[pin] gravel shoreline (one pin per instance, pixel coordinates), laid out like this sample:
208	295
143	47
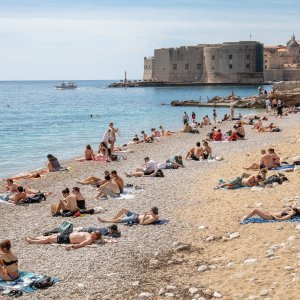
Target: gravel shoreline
109	271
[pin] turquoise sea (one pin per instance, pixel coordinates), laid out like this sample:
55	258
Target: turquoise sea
37	119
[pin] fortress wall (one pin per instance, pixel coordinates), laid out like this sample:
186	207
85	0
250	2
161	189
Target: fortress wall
291	74
148	68
186	64
161	64
273	74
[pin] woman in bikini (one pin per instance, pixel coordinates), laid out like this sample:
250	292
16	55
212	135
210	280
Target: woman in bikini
287	214
8	262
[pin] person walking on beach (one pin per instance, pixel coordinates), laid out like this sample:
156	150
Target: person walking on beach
113	137
185	118
215	115
231	109
268	105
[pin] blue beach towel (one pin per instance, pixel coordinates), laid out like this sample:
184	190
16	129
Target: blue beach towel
22	283
283	167
260	220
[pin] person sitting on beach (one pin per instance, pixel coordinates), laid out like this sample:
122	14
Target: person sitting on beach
80	200
75	240
258	125
18	197
89	153
240	130
109	231
155	133
233	134
287	214
127	216
217	135
11	186
8	262
53	164
187	128
118	180
165	132
104	150
266	161
195	153
146	139
67	206
226	118
206	120
94	180
135	140
275	158
109	188
242	182
207	151
177	159
149	168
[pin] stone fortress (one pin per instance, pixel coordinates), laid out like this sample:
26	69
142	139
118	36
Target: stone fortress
244	62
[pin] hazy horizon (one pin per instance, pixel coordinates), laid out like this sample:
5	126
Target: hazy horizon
90	40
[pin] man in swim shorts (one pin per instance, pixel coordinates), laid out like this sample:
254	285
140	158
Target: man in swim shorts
127	216
76	239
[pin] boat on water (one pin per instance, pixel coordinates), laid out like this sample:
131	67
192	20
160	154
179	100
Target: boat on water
66	86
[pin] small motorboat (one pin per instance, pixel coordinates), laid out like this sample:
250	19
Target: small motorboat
66	86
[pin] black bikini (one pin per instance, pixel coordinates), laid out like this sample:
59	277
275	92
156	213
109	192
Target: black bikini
9	263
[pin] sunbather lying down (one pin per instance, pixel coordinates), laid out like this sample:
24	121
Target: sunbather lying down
75	239
287	214
127	216
242	182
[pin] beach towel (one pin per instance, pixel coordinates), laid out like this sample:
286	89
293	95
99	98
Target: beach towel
283	167
260	220
23	283
158	222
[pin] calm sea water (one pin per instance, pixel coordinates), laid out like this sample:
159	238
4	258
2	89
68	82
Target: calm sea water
36	119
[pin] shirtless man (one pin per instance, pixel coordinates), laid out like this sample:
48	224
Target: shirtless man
110	187
207	151
11	186
76	239
195	153
66	205
89	153
146	139
18	197
266	161
118	180
240	182
125	216
240	130
187	128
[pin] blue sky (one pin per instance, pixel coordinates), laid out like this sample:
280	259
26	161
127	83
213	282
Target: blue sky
99	39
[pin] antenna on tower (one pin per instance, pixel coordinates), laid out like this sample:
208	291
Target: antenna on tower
250	37
125	78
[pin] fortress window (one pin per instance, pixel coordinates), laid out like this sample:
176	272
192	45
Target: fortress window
230	66
212	68
198	66
248	66
213	57
265	67
187	66
174	66
266	61
248	56
230	56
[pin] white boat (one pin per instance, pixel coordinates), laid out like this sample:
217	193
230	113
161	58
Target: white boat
66	86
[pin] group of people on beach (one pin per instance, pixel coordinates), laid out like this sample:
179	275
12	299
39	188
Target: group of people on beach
112	185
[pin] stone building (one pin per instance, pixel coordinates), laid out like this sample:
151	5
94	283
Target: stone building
232	62
282	62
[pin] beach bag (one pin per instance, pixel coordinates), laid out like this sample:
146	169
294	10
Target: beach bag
66	227
43	283
276	130
159	173
37	198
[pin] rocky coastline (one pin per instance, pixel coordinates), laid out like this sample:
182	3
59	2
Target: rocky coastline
288	92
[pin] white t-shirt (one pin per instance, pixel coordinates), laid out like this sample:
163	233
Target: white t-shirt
162	166
151	166
106	137
267	102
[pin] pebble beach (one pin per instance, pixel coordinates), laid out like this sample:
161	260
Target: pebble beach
219	257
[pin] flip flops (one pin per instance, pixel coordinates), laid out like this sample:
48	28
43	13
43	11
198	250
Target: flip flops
15	293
